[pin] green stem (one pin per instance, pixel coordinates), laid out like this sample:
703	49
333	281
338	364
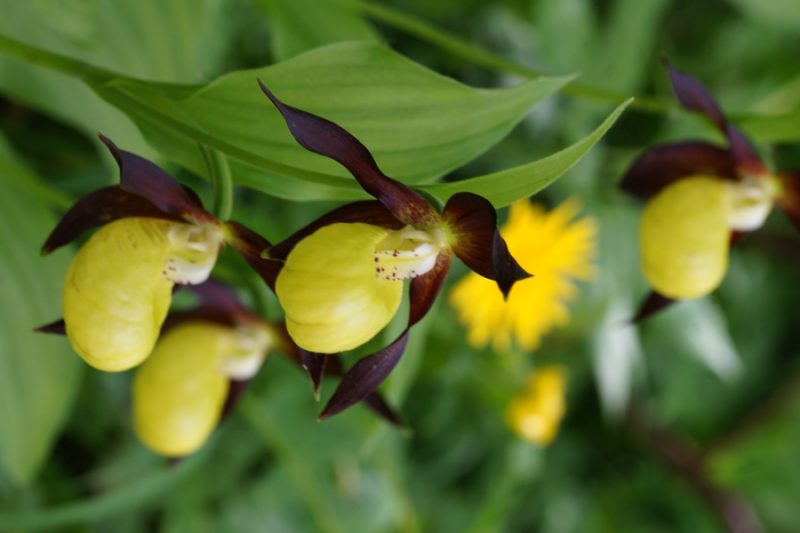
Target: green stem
480	56
260	420
219	172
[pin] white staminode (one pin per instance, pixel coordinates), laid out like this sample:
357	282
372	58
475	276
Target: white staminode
750	203
408	253
194	250
250	347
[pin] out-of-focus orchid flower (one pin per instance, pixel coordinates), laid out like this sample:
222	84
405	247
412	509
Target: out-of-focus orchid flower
153	234
343	274
700	199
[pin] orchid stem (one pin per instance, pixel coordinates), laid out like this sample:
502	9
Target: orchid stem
219	172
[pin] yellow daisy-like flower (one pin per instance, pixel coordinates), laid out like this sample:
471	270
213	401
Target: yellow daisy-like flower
536	414
556	249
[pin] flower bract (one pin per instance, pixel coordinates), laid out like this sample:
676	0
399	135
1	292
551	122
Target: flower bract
554	246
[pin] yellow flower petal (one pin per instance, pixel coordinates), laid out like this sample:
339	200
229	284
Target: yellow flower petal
333	299
551	246
179	392
684	237
115	294
536	414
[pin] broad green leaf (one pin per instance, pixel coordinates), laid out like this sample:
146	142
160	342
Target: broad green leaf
302	25
776	128
506	186
418	124
165	40
783	14
39	374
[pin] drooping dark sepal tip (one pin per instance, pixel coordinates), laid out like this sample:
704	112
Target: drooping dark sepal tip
325	137
380	407
694	96
651	305
57	327
365	377
148	180
506	269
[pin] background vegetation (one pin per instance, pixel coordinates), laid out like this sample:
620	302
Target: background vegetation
671	426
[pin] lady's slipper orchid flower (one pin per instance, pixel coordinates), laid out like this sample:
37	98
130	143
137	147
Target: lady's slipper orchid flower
201	363
342	275
700	199
153	234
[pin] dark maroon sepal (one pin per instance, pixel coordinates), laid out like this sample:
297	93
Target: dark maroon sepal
324	137
654	303
142	177
473	221
252	246
56	328
216	295
424	289
368	211
380	407
789	199
365	377
98	208
662	165
693	95
315	365
748	162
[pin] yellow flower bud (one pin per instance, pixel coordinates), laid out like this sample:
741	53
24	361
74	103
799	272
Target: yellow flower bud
179	392
684	237
333	299
116	295
119	286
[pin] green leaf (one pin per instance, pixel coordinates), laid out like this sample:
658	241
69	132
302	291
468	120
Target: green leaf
302	25
39	374
776	128
507	186
165	40
418	124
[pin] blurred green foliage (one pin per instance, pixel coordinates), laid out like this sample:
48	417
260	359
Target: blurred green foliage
719	375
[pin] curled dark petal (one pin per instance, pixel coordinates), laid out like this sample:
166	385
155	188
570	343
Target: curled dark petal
380	407
251	246
365	376
789	199
367	211
98	208
662	165
315	365
201	314
142	177
423	289
216	295
747	159
324	137
56	328
654	303
693	95
479	244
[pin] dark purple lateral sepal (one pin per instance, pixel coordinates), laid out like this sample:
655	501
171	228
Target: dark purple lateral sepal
748	162
662	165
379	406
324	137
424	289
479	244
98	208
142	177
789	199
368	212
251	246
651	305
693	95
365	377
216	295
56	327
